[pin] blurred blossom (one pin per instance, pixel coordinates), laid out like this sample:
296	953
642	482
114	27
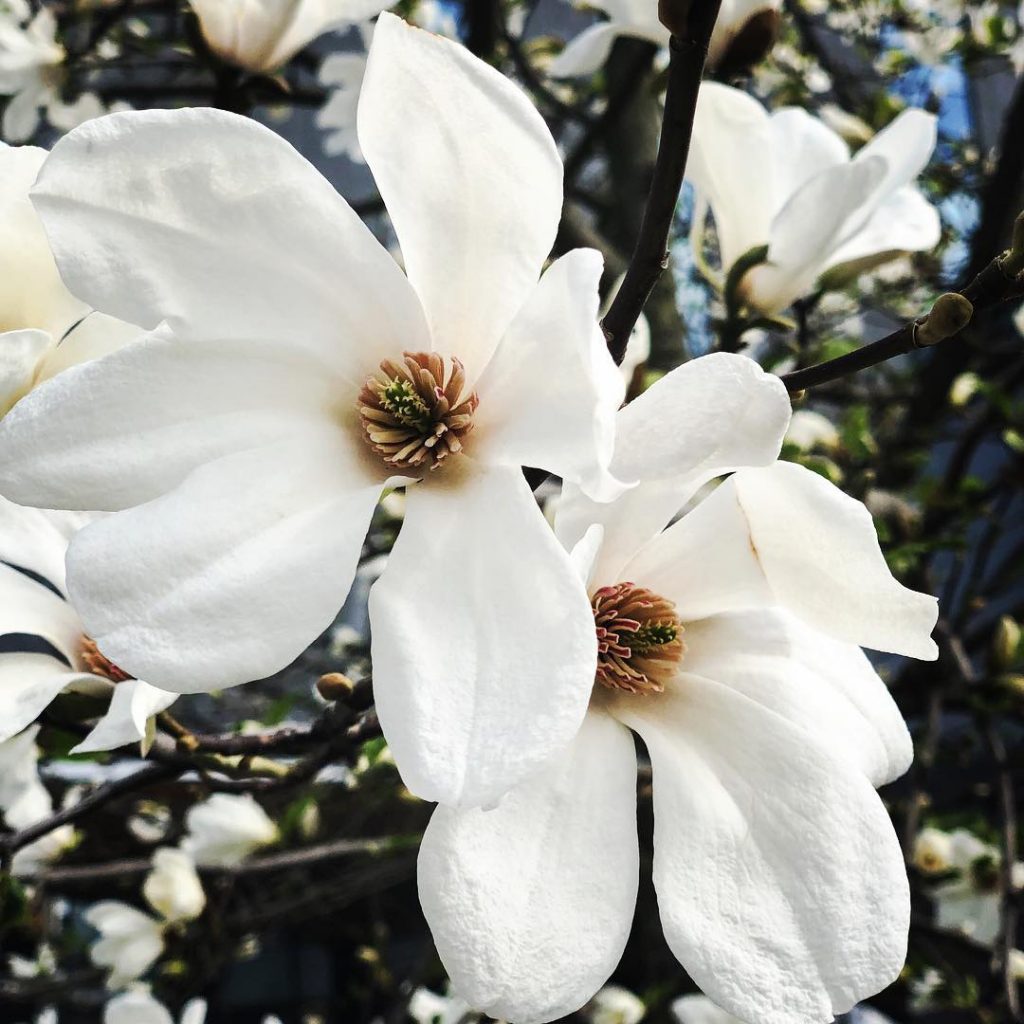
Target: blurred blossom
700	1010
342	74
787	182
173	888
852	129
615	1005
24	799
30	66
809	430
933	851
734	651
130	941
246	446
137	1006
263	35
426	1007
225	829
438	16
150	822
964	388
638	19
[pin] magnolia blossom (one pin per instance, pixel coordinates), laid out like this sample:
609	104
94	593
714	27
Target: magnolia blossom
247	438
263	35
137	1006
225	829
43	327
342	74
615	1005
787	181
809	430
130	941
173	888
638	19
426	1007
698	1009
35	603
731	643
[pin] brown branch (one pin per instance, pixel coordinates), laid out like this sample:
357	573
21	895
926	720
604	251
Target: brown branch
688	52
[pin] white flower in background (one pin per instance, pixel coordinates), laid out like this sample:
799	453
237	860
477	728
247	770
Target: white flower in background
137	1006
37	605
638	19
426	1007
809	430
30	66
698	1009
933	851
130	941
731	643
249	436
615	1005
36	310
173	888
225	829
342	74
437	16
263	35
786	181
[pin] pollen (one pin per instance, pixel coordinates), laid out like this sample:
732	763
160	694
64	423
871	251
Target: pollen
99	664
415	415
639	639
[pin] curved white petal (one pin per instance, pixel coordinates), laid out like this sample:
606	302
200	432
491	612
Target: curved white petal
906	145
28	682
531	903
131	705
37	539
827	688
802	147
586	53
781	883
96	335
234	573
784	535
483	646
32	295
731	166
827	211
212	222
129	427
549	396
471	178
705	418
24	799
194	1012
21	355
130	941
26	606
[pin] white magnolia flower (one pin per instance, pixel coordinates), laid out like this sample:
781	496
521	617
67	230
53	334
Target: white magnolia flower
615	1005
263	35
173	888
426	1007
248	437
933	851
35	603
24	799
697	1009
731	643
36	310
130	941
809	430
225	829
342	74
137	1006
30	66
786	181
638	19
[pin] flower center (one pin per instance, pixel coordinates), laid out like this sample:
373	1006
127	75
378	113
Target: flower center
639	639
412	417
99	664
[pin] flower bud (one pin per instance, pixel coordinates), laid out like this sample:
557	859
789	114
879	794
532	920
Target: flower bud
335	686
951	313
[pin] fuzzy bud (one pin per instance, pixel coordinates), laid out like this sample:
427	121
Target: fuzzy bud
951	313
335	686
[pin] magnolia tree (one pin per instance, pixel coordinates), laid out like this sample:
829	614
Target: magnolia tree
604	425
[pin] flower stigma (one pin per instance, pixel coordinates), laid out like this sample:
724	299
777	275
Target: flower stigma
639	639
99	664
412	416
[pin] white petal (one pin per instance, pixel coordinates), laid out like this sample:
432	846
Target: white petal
130	941
27	606
232	575
37	540
97	335
784	535
549	396
483	648
24	799
130	427
829	689
471	177
906	145
136	1007
132	704
212	222
21	115
802	147
28	682
531	903
194	1012
780	881
586	53
731	167
705	418
21	354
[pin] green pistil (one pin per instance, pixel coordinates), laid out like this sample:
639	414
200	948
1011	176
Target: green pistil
652	634
400	399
